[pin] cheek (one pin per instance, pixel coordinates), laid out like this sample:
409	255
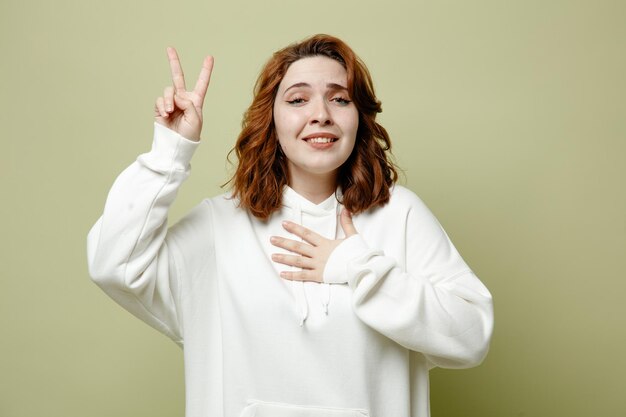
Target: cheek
278	120
286	123
354	128
351	123
285	130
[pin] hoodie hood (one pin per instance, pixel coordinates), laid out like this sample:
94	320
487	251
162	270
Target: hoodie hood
322	218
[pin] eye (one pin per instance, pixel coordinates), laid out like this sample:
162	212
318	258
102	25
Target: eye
297	100
341	100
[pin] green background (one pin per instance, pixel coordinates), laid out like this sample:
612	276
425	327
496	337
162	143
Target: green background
508	118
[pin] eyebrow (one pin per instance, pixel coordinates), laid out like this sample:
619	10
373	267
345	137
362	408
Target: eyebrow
331	86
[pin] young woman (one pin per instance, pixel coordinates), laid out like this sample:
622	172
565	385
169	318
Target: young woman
316	287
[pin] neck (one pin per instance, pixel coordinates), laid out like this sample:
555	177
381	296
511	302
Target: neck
315	188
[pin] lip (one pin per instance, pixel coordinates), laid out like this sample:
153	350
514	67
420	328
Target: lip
321	135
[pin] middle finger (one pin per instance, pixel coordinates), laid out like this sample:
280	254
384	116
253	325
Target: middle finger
292	245
178	78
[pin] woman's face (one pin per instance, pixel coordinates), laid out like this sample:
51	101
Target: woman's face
316	122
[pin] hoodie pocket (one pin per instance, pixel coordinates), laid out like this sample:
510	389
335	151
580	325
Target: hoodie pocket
271	409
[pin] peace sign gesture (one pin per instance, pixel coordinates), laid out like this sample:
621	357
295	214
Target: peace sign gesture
181	110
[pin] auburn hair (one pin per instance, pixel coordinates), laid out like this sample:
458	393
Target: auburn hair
261	174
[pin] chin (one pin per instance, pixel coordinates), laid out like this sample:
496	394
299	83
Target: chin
323	169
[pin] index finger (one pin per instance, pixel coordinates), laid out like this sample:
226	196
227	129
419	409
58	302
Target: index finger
203	79
302	232
178	78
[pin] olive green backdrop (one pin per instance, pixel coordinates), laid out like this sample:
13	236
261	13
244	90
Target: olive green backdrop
508	118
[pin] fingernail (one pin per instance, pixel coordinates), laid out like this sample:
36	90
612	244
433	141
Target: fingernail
169	108
273	239
285	223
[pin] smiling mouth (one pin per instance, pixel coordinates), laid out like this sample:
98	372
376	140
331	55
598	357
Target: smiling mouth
321	140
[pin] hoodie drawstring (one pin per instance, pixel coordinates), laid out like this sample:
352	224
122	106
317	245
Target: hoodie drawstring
333	235
298	287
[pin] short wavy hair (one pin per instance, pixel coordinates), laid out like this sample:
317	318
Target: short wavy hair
367	175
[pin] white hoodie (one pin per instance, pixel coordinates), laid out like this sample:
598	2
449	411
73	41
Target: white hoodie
397	298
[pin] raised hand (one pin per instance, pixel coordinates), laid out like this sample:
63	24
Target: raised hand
179	109
313	253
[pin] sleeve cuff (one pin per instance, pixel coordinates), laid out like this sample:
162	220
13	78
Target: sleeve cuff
170	151
336	270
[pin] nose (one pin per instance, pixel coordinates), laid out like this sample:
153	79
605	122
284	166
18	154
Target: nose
320	113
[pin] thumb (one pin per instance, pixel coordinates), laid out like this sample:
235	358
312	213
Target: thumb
191	122
346	223
185	105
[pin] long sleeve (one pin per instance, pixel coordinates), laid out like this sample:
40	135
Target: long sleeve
131	255
436	305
